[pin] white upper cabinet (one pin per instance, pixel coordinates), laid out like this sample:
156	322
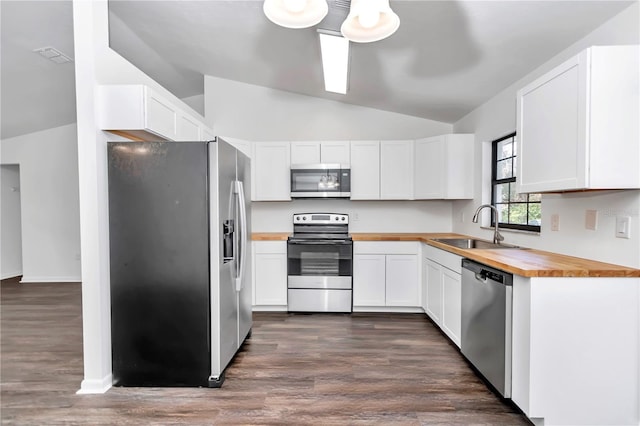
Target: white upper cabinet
320	152
335	152
188	128
396	170
305	152
577	125
271	171
138	112
444	167
365	170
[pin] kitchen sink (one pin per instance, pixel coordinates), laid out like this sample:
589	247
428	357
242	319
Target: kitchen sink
472	243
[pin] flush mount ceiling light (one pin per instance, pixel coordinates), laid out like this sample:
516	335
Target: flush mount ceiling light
369	20
335	61
295	13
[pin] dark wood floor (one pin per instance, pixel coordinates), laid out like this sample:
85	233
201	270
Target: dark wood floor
295	369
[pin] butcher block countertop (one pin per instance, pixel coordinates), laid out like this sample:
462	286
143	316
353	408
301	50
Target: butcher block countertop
270	236
525	262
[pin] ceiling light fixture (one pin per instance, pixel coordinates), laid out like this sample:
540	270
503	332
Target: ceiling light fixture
295	13
369	20
53	54
335	61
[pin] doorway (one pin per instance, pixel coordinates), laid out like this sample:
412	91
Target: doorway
11	223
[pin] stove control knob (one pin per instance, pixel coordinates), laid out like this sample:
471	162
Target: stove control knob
344	218
304	218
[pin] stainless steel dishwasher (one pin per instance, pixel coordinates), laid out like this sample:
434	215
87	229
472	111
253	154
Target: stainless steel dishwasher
486	322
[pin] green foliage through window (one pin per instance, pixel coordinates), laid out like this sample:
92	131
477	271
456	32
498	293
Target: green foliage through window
515	211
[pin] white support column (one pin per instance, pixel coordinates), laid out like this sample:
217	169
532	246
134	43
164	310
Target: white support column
91	38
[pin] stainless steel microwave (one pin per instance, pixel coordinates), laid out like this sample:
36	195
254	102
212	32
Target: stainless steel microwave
320	181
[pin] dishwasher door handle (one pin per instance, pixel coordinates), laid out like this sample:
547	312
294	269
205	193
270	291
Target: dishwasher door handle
480	276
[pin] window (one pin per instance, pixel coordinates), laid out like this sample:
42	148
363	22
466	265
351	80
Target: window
515	211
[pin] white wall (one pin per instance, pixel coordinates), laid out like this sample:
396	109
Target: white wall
11	232
49	199
364	216
497	117
196	102
258	113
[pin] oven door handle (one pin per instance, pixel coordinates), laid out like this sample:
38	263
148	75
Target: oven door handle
319	242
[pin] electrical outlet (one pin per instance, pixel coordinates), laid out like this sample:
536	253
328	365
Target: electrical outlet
623	226
555	222
355	216
591	219
462	216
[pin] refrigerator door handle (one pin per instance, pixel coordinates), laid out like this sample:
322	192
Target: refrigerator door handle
242	231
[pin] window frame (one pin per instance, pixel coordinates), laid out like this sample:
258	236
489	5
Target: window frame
510	180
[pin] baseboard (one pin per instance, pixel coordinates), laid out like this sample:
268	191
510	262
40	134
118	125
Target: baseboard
10	275
94	386
268	308
388	309
33	279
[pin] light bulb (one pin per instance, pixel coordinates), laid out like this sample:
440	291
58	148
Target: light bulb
294	6
369	18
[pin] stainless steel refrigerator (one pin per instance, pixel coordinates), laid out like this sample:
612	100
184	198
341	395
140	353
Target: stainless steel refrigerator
179	235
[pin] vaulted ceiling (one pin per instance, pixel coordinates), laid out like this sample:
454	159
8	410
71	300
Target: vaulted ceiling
447	57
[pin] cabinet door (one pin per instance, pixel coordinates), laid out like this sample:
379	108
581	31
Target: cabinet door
207	135
160	115
270	273
188	129
451	304
396	170
433	277
271	167
365	170
429	168
551	130
369	280
335	152
402	288
305	153
270	279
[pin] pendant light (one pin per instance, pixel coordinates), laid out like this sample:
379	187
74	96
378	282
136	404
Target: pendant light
369	20
295	13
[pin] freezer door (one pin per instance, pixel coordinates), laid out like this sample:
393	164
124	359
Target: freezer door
159	263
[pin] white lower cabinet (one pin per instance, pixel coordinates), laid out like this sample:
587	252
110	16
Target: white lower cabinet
432	277
402	286
270	275
442	285
386	275
452	304
369	281
576	350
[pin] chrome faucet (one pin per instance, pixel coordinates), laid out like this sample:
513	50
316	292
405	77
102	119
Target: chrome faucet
496	234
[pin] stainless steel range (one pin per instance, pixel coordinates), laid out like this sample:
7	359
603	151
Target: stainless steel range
320	263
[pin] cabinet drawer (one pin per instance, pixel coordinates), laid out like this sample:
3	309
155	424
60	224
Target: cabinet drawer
448	260
385	247
269	247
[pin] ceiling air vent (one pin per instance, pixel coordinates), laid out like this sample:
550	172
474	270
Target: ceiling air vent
338	11
53	54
